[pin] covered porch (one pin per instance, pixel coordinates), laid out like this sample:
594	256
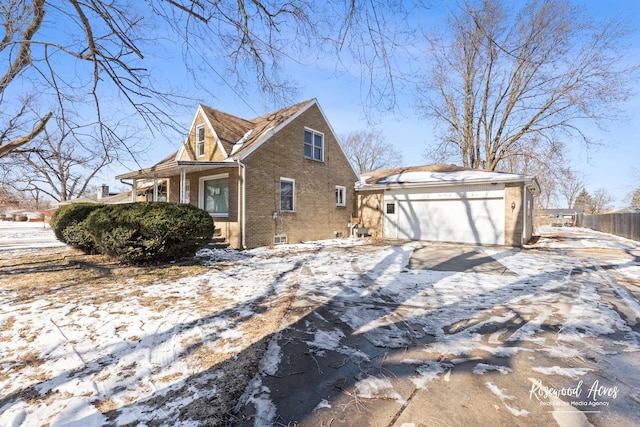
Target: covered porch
170	172
217	187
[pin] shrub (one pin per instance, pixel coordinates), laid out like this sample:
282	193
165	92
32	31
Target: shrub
150	231
22	218
78	236
67	222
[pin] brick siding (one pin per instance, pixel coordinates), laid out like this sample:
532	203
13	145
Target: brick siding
316	215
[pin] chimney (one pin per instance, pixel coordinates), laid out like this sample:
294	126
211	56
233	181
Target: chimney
103	191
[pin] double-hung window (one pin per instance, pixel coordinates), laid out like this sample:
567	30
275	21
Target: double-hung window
200	141
313	145
287	195
341	196
214	194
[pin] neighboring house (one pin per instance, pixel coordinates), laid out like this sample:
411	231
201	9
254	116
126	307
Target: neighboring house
103	195
447	203
281	177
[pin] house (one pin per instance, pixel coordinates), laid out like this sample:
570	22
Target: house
447	203
281	177
103	196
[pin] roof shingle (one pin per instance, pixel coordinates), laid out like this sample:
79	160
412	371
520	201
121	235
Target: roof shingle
231	129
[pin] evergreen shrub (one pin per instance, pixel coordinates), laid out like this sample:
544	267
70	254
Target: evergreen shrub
67	222
146	232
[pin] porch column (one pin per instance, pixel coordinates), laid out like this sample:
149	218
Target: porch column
134	190
183	186
155	187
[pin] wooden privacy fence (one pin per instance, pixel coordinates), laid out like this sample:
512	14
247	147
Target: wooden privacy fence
621	224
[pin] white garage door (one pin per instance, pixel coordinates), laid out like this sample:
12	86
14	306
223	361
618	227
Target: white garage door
455	219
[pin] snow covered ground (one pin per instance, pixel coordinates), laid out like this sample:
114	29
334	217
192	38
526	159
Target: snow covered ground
156	354
25	235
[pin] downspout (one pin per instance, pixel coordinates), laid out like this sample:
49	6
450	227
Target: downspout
244	203
134	190
524	214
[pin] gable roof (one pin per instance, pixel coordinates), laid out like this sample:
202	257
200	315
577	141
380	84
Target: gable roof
438	174
238	137
229	128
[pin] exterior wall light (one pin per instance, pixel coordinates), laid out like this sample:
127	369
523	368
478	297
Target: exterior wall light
513	206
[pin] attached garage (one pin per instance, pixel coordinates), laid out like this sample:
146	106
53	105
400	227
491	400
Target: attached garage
448	203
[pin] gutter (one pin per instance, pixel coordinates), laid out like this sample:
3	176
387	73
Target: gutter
166	170
527	181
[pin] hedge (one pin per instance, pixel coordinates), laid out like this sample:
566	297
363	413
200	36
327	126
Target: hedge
67	223
146	232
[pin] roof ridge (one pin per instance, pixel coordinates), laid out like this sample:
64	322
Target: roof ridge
293	108
206	107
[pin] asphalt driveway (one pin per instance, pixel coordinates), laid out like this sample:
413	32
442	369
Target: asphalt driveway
427	334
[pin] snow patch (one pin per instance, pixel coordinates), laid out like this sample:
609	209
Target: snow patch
565	372
377	388
482	368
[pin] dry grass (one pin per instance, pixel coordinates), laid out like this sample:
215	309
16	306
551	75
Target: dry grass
64	276
105	405
60	273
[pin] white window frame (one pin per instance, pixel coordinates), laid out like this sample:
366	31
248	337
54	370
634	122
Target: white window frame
314	133
393	207
201	193
341	195
200	143
293	196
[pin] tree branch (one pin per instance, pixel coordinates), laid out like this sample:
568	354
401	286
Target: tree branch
18	142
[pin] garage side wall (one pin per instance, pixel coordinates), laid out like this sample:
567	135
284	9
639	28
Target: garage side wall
513	217
529	229
369	210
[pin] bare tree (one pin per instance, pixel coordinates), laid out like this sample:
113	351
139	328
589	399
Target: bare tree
12	199
542	159
61	163
8	198
570	185
601	201
633	199
505	77
369	150
92	56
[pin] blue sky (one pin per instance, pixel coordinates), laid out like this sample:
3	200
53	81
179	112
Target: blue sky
613	166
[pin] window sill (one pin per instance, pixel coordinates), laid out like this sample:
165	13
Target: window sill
314	160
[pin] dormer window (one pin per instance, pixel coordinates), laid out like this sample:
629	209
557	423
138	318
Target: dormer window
313	145
200	141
